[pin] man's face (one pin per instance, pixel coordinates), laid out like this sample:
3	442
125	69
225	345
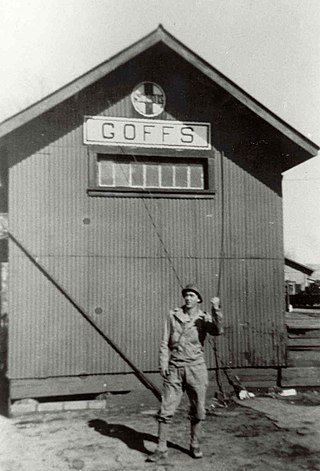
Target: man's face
191	299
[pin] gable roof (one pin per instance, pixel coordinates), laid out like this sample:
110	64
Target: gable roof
160	35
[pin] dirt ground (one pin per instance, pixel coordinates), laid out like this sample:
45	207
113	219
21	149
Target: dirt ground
263	433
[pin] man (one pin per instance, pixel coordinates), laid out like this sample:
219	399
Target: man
183	367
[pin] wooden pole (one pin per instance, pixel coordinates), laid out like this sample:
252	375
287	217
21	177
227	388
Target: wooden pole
139	374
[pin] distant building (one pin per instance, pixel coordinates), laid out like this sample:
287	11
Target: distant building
297	276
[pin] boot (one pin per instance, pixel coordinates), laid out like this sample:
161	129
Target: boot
196	429
162	448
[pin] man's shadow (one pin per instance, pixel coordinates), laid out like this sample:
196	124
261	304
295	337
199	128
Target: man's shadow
131	437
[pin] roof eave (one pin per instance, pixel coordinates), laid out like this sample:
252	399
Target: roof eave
298	266
157	36
85	80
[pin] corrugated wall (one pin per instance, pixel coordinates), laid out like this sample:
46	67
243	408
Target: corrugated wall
123	259
252	268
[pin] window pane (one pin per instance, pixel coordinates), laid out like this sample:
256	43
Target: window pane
122	174
137	174
105	173
181	176
167	176
152	175
196	176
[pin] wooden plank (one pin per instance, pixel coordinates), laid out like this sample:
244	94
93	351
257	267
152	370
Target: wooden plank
298	314
307	310
303	358
303	323
299	342
97	384
303	320
256	373
251	377
75	386
309	376
300	333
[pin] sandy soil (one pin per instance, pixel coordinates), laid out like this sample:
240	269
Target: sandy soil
265	434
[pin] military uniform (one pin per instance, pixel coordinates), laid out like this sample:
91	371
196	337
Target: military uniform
181	351
183	367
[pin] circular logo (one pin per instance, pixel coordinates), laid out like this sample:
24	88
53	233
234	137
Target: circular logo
148	99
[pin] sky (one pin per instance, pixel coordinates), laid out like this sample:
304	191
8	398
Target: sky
270	48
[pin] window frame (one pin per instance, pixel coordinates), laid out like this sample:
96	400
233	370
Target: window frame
205	157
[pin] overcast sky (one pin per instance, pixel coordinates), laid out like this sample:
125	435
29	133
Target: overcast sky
270	48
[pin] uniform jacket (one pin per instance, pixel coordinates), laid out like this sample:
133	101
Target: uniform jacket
183	337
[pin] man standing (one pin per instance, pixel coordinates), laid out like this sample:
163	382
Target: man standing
183	367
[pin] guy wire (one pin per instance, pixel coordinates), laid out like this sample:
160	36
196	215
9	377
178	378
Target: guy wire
152	220
235	381
150	215
220	269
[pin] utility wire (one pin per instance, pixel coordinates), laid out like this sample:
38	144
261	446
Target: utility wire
151	219
220	270
157	232
301	180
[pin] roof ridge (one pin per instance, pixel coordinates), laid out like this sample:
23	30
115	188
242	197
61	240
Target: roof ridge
160	34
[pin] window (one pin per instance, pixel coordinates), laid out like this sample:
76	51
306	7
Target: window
149	175
298	288
115	172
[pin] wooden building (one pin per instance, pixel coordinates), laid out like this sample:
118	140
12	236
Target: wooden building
297	276
150	171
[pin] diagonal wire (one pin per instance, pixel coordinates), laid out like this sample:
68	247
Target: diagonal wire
157	232
154	225
218	360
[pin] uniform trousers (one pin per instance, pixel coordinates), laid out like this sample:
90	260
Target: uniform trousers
190	378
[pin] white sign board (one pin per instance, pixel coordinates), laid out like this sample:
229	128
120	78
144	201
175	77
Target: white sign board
101	130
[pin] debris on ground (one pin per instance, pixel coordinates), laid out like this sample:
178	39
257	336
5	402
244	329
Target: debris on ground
261	434
288	392
244	394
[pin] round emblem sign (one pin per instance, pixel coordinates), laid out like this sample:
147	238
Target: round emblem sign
148	99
